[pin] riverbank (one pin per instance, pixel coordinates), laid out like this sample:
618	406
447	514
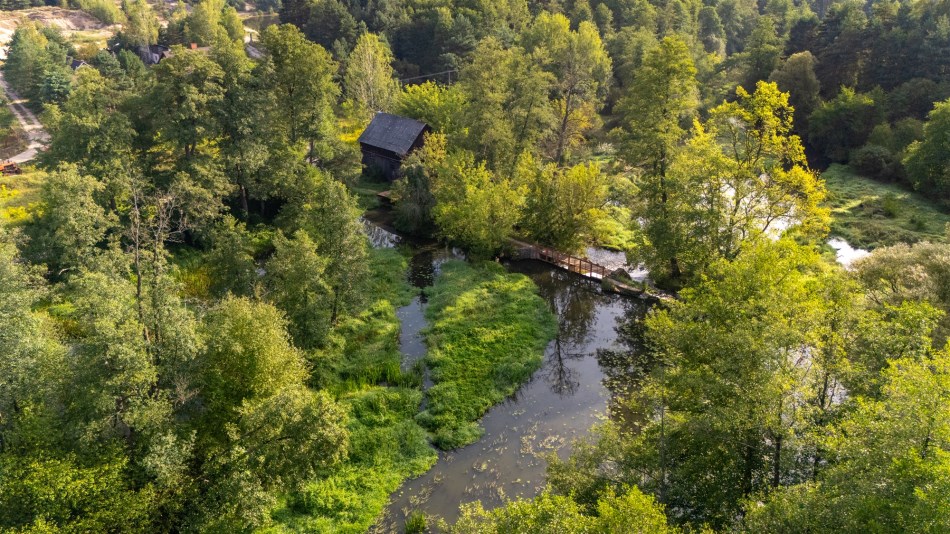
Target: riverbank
870	214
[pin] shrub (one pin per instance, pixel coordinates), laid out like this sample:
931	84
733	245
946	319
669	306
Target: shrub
877	162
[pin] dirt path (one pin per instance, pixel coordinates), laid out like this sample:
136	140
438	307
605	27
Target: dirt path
28	121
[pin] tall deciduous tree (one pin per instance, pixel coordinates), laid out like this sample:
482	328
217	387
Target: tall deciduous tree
661	99
369	79
508	110
564	207
797	78
581	68
741	365
261	427
296	281
72	222
325	210
767	185
141	26
474	206
890	466
927	160
300	74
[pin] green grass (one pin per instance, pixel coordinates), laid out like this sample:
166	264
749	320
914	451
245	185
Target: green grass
387	278
870	214
488	333
365	189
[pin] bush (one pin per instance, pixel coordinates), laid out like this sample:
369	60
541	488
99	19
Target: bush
877	162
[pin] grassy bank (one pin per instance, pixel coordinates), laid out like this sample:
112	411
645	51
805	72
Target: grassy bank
387	445
870	214
487	335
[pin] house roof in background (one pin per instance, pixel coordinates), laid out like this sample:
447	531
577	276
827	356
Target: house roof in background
393	133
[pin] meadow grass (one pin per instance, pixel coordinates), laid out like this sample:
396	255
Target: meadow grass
488	330
870	214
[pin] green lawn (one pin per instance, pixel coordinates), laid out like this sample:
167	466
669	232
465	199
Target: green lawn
870	214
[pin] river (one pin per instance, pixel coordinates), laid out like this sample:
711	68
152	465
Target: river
584	369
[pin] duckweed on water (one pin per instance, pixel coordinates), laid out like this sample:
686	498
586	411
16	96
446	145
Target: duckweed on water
487	336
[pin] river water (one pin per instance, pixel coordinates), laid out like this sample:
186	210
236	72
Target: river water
585	367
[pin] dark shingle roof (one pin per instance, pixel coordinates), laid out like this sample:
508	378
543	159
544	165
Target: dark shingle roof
393	133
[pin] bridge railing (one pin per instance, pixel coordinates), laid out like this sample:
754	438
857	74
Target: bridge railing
565	261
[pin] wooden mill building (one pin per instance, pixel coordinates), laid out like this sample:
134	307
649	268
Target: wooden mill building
387	141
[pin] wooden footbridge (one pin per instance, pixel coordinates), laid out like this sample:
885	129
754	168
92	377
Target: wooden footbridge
581	266
523	250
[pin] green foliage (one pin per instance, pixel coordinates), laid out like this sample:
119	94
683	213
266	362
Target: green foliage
875	161
890	470
141	24
475	207
231	259
37	59
902	274
843	124
488	333
386	444
416	523
797	78
631	512
368	78
441	107
413	194
738	179
297	284
324	209
580	67
926	160
661	99
300	76
507	109
565	209
63	495
70	223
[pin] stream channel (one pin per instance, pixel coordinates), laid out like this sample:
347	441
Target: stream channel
591	362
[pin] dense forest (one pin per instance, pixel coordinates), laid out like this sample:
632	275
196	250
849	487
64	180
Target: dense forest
196	335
